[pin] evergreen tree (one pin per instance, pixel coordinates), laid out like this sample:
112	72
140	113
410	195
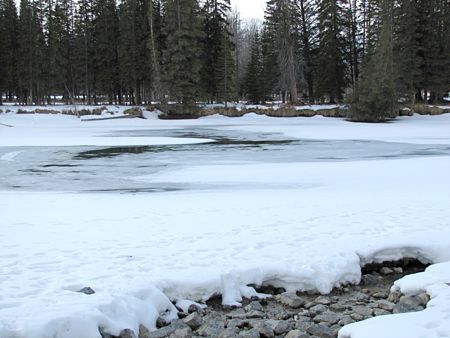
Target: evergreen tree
31	53
218	50
84	50
106	59
60	50
183	28
407	49
8	51
253	84
281	22
373	99
134	55
155	45
331	72
308	33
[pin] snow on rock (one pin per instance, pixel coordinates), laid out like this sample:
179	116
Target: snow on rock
432	322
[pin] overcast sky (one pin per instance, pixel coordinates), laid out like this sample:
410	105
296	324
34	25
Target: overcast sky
250	8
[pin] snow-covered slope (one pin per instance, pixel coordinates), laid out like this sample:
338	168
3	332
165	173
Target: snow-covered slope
311	227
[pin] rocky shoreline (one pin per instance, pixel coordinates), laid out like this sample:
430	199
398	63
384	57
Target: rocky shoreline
295	315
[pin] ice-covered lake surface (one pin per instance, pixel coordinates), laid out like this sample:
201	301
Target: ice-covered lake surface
144	211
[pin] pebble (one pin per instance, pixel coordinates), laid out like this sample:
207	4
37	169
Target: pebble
288	314
296	334
291	299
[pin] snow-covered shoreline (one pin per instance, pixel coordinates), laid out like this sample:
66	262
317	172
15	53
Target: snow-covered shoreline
139	251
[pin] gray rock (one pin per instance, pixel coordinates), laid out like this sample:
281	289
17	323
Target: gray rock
385	305
143	331
309	305
229	333
380	295
252	333
369	279
213	327
322	300
178	324
364	311
254	306
194	321
303	326
339	307
182	333
327	317
318	309
127	333
380	312
356	316
360	297
346	320
296	334
386	271
321	331
413	301
238	313
160	333
264	329
236	323
195	308
279	326
394	297
161	322
425	298
87	290
398	270
404	308
254	314
291	299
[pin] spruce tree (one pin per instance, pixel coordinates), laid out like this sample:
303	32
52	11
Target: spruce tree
254	73
106	59
308	33
183	28
281	20
84	50
8	51
331	71
373	99
218	50
407	50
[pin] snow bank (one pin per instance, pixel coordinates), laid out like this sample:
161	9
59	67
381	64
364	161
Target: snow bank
434	321
311	226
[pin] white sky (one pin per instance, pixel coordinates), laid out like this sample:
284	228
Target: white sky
250	8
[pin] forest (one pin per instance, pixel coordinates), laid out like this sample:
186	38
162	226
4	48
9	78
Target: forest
188	51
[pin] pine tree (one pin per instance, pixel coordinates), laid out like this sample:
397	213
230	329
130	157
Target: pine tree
281	20
373	99
183	28
8	51
218	49
106	59
31	53
253	84
134	55
308	33
406	49
331	72
84	50
60	50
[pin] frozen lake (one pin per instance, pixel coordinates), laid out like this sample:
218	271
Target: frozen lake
114	168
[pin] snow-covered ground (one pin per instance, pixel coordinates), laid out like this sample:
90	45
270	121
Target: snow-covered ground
298	224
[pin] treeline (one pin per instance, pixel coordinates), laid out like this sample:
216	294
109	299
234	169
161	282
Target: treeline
140	51
98	51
